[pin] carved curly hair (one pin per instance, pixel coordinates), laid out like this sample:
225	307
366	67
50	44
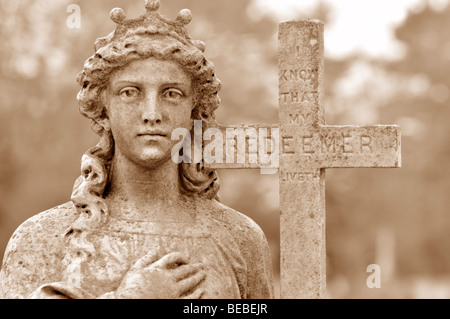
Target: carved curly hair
90	188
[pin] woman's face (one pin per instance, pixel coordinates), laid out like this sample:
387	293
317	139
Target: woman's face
145	101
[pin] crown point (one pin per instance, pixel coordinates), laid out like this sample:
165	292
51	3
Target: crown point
199	45
117	15
99	43
152	5
184	16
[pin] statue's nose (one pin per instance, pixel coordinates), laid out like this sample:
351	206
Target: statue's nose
152	113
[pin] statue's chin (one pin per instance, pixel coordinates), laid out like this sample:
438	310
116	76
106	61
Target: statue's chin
152	160
149	154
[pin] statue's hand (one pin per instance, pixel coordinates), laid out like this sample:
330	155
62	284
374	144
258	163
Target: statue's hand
170	277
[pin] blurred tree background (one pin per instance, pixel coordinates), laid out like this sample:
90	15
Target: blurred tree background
395	218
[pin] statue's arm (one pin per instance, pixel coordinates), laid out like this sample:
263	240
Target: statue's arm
32	264
259	265
34	253
253	250
30	270
29	261
66	290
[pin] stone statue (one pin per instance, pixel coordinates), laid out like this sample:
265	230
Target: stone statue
140	225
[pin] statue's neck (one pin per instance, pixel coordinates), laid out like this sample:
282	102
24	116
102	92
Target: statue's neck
146	193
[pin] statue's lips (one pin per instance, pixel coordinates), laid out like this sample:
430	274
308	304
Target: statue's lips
152	136
156	133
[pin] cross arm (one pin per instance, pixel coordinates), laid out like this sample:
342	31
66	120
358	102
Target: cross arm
334	146
330	146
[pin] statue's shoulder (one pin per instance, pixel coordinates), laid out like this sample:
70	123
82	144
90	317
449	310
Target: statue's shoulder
253	249
239	225
43	228
35	251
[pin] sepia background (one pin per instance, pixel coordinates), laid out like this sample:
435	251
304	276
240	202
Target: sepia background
387	62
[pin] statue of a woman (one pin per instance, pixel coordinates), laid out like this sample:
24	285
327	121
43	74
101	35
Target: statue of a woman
139	225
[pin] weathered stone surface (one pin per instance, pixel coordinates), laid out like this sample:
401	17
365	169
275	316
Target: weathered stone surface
303	147
139	224
138	220
308	146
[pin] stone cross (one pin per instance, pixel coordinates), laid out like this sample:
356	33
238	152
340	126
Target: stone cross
306	146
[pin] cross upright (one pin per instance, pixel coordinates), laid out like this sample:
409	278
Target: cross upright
307	146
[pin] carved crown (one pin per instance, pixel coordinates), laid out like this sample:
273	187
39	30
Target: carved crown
151	34
151	23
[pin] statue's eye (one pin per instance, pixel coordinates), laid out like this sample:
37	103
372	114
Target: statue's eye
172	94
129	93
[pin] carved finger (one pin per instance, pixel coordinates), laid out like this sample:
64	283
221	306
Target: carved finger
186	270
189	283
146	260
197	294
172	260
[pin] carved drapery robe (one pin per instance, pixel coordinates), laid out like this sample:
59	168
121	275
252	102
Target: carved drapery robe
40	263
